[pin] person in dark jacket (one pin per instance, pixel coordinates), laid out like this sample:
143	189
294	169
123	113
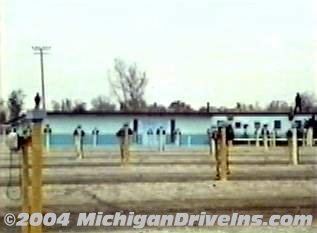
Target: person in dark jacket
298	103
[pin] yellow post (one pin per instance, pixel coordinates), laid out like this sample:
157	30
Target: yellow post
25	185
37	151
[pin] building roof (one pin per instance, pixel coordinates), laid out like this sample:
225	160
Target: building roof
170	114
196	113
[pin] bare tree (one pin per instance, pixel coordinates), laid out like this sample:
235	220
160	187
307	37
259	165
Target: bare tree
79	106
56	106
278	106
242	107
15	103
102	103
3	112
309	102
205	109
179	106
156	108
66	105
128	85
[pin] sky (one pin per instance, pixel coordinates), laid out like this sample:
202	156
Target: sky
221	51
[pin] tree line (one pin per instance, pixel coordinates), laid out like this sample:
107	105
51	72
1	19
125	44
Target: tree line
128	85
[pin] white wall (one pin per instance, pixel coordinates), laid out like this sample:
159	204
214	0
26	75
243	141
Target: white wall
105	124
187	124
111	124
250	120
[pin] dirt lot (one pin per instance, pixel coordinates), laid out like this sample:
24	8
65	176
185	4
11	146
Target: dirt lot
170	182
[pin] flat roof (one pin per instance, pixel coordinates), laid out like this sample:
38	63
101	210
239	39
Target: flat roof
196	113
140	113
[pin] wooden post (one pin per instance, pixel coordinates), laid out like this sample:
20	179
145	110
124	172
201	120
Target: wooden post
36	116
25	182
37	152
223	155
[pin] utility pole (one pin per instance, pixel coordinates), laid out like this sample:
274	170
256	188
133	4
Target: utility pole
41	50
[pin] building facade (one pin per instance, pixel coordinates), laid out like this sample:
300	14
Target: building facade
193	126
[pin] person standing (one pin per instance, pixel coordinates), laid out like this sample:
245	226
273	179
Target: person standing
298	103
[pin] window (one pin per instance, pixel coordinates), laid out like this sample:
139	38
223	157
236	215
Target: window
277	124
238	125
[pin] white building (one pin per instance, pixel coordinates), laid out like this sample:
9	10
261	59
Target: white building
193	126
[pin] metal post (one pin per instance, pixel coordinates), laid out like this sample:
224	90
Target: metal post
42	79
265	140
257	142
3	128
212	146
126	140
273	138
189	140
41	49
94	138
294	147
47	139
310	139
223	155
304	137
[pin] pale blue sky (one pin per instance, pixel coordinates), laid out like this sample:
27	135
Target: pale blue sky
222	51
